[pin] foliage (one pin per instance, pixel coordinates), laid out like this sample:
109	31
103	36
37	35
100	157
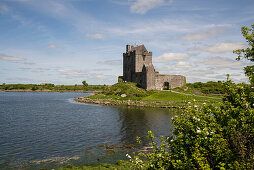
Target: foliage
128	88
248	53
120	80
208	137
84	83
209	87
51	87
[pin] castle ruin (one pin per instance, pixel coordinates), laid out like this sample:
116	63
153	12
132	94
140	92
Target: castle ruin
138	68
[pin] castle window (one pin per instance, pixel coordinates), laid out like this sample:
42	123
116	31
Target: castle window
144	57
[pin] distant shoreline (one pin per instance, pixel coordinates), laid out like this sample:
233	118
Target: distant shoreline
59	91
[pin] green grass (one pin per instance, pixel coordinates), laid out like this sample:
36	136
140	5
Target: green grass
170	96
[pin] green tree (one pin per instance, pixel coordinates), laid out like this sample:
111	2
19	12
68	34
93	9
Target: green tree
247	53
85	84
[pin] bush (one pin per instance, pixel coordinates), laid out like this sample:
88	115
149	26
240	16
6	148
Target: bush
130	89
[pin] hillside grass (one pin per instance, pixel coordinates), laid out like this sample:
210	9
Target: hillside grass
171	96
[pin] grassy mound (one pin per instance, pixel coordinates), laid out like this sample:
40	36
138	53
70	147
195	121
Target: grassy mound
128	88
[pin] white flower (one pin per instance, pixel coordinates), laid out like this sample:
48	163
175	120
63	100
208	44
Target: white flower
172	118
171	140
205	137
128	156
198	131
195	106
189	102
194	100
198	119
204	103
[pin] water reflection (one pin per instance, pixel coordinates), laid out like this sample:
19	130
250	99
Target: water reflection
138	121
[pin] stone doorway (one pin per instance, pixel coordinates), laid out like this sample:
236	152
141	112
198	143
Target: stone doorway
166	86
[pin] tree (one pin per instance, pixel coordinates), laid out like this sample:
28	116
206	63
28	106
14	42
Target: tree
84	83
247	53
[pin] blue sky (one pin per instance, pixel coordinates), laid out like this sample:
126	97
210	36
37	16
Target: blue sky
68	41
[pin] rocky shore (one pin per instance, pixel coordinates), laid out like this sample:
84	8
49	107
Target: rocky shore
113	102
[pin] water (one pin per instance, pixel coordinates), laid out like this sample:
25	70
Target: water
40	129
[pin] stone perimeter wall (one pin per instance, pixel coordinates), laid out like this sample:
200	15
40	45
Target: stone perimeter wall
173	80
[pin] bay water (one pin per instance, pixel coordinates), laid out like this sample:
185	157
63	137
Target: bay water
50	130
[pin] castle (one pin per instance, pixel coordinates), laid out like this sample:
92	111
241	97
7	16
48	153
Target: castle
138	68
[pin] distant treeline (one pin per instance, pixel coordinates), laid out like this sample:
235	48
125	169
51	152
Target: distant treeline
51	87
209	87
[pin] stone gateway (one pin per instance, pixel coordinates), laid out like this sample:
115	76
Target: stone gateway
138	68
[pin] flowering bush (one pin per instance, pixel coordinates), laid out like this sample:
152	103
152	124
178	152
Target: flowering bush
208	137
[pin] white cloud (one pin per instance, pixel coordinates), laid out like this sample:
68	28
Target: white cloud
68	71
168	57
95	36
203	35
142	6
52	46
111	62
222	62
200	73
221	47
10	58
179	66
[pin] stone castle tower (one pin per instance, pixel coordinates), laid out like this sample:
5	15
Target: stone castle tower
138	68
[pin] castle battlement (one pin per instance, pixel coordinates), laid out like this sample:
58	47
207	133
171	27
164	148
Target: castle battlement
138	68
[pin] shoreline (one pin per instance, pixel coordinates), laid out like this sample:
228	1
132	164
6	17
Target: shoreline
58	91
113	102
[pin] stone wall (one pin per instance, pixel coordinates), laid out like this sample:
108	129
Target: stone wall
173	80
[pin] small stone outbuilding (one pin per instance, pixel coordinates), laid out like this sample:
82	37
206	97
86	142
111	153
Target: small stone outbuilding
138	68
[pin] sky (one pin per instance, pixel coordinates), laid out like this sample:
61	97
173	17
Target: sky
68	41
